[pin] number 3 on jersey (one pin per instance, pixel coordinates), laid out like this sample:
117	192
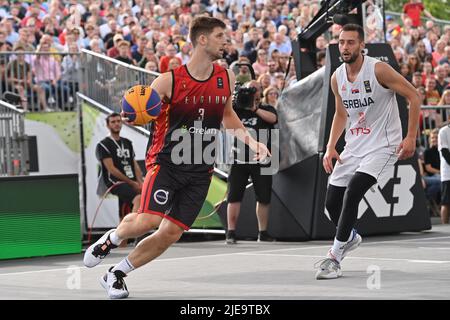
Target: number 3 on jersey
201	114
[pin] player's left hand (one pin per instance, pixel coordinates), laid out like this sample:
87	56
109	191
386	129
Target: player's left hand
406	148
125	119
261	151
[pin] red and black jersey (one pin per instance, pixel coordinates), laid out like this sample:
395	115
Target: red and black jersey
190	121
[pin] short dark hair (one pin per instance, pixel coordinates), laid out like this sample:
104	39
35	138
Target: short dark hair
203	25
354	27
112	115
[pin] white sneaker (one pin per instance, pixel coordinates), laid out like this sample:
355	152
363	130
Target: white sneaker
99	250
329	269
114	284
352	244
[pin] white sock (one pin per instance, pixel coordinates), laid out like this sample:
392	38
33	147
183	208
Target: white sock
115	240
125	266
337	249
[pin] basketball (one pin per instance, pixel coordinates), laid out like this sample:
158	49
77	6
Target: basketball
141	104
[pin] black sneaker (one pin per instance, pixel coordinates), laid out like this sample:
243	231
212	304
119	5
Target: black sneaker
265	236
231	237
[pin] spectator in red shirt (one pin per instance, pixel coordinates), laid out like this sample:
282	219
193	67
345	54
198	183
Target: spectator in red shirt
413	9
35	11
164	62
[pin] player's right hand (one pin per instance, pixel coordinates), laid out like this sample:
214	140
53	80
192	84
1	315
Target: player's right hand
137	186
330	154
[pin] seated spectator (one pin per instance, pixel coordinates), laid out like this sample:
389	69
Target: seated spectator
47	71
270	96
185	52
164	62
432	163
137	50
411	46
446	58
406	72
24	40
124	52
417	79
11	35
149	55
92	33
114	51
95	46
320	59
71	71
422	53
445	101
260	66
427	71
433	96
243	75
174	63
280	83
19	75
439	52
151	66
414	63
440	78
282	44
251	46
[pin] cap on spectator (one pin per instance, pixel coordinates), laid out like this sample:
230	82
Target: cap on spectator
389	18
117	37
19	47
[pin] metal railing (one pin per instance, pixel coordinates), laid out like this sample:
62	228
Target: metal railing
14	157
432	117
105	79
40	81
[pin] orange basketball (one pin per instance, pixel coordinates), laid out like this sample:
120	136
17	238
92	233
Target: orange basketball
141	104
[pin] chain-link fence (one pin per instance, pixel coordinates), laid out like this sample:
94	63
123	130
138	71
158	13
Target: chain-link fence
14	159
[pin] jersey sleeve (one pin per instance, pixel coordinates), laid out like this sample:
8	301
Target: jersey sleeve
102	151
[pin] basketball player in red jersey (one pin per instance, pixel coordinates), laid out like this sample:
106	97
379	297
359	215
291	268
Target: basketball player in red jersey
197	99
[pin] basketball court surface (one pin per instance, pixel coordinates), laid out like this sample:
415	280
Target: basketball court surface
402	266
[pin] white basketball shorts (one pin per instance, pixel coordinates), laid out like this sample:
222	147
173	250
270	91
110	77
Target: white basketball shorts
376	164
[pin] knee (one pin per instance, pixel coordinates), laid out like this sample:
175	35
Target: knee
168	236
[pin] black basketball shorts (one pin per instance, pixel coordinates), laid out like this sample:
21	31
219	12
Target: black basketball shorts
174	194
125	193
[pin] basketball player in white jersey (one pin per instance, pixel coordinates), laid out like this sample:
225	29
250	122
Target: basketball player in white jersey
364	90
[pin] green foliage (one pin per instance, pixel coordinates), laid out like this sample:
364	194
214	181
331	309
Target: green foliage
438	8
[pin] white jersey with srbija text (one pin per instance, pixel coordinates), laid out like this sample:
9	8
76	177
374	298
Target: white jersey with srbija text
372	111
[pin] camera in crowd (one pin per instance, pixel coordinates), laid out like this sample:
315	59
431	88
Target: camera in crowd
244	97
